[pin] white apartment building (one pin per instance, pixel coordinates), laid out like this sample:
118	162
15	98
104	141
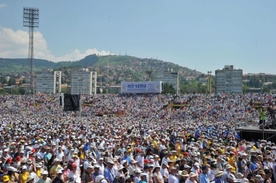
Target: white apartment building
229	80
48	82
84	82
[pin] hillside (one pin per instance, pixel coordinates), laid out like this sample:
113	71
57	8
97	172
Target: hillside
112	68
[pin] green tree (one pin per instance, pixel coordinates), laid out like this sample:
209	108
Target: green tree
11	81
3	80
254	82
191	87
245	88
266	89
168	89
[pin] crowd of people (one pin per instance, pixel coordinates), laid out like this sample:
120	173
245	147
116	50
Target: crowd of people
134	139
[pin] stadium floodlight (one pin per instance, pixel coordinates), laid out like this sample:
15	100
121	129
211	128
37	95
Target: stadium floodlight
31	20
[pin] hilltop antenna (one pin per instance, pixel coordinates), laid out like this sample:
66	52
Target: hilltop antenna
31	20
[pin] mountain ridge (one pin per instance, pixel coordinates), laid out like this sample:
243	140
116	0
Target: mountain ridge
19	65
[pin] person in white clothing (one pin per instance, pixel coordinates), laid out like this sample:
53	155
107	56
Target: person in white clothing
140	159
156	160
172	176
74	176
100	163
44	178
60	154
164	171
192	178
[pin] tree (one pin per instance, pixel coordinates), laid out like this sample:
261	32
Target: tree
254	82
266	89
168	89
11	81
191	87
3	80
245	88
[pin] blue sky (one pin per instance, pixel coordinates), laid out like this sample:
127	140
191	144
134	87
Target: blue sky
199	34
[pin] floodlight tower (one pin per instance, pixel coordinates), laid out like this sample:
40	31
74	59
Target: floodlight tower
31	20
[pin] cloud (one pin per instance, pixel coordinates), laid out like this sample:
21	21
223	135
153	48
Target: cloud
77	55
2	5
15	44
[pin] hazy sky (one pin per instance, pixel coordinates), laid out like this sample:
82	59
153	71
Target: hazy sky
199	34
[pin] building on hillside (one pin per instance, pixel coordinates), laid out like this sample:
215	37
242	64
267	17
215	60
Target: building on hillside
48	82
84	82
229	80
170	77
260	76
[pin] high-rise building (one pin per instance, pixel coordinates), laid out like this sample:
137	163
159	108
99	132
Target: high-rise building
48	82
229	80
170	77
84	82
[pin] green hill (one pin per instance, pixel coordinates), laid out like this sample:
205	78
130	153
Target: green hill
19	65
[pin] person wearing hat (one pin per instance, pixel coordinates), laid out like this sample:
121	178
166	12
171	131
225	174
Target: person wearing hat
137	175
157	176
100	179
17	162
165	156
109	173
132	166
218	177
196	169
23	175
30	179
165	171
232	160
39	169
55	167
96	171
231	178
128	179
143	178
58	178
228	170
7	164
87	176
156	160
191	178
22	156
32	173
74	176
101	165
44	178
172	177
183	175
88	161
120	176
140	159
12	175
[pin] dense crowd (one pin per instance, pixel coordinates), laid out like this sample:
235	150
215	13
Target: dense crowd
134	138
